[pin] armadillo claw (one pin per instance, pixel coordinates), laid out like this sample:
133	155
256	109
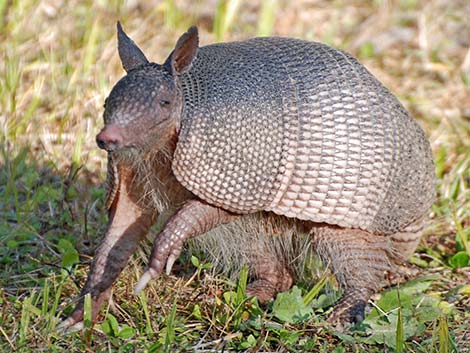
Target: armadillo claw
69	325
151	273
170	262
164	254
145	279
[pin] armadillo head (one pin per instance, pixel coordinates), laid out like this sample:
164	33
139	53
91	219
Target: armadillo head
143	110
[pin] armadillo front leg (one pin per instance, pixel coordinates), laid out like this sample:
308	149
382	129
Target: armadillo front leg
195	218
128	224
359	260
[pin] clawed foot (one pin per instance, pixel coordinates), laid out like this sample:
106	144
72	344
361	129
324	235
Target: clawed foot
75	321
349	310
193	219
164	254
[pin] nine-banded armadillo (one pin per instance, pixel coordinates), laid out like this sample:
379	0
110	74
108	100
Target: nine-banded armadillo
268	135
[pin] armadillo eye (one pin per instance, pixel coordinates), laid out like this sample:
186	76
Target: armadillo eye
164	103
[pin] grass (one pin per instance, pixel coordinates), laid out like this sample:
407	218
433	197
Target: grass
58	63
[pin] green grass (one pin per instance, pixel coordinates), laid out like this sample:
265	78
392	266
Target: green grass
58	61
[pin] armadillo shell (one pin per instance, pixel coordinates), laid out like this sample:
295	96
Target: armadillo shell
303	130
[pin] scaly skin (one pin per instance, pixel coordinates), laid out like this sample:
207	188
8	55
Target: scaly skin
193	219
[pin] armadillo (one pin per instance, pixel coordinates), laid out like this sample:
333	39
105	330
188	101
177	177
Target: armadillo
268	135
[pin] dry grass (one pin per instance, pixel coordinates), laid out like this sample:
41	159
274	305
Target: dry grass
58	63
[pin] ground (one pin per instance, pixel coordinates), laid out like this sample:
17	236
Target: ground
59	62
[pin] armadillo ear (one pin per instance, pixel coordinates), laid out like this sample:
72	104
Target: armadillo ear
184	53
130	54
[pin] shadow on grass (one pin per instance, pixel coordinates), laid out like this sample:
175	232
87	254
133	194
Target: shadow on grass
49	220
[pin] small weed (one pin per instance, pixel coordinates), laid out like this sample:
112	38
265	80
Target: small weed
200	266
224	17
172	14
266	17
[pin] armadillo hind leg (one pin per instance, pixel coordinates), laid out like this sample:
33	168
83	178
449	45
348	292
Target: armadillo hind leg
128	224
359	260
272	277
193	219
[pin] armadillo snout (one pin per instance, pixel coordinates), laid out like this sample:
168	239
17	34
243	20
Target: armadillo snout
110	138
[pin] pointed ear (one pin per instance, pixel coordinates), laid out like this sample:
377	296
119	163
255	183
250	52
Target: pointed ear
184	53
130	54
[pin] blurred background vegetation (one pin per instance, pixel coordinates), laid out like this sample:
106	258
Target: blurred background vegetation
58	62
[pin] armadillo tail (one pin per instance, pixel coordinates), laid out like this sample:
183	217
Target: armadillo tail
404	243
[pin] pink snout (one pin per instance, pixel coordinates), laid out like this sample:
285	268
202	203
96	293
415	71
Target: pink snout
110	138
